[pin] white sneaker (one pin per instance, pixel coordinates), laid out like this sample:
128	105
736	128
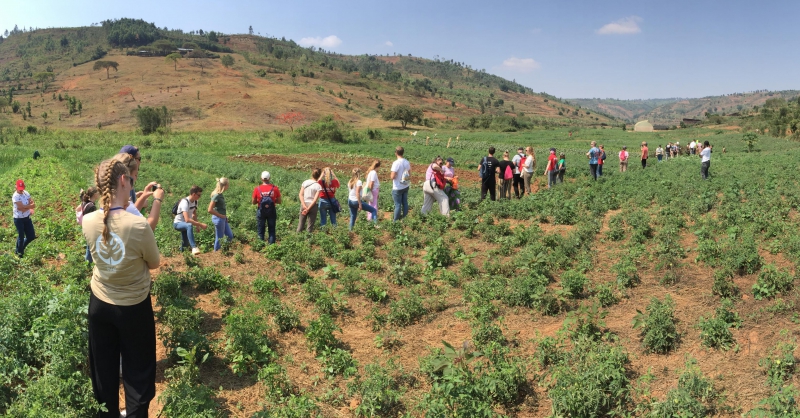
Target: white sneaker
123	414
195	251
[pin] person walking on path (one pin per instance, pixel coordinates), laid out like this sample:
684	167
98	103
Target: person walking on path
551	171
593	155
623	159
266	196
705	160
401	175
600	161
645	154
120	314
519	161
186	219
88	198
373	186
309	198
528	168
433	189
328	205
23	209
562	167
506	176
219	213
354	200
487	168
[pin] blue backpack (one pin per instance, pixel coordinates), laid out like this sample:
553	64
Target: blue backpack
482	172
266	208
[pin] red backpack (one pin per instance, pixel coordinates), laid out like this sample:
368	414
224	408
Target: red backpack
509	174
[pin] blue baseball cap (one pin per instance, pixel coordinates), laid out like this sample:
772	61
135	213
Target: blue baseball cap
129	149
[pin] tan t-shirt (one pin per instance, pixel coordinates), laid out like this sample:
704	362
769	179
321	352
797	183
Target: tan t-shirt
121	276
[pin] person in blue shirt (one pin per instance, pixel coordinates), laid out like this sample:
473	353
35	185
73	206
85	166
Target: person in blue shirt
593	155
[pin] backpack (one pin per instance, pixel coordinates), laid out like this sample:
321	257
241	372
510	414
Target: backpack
521	163
175	207
603	157
482	171
509	174
266	208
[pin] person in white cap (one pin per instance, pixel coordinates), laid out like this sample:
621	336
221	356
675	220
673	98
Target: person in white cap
266	196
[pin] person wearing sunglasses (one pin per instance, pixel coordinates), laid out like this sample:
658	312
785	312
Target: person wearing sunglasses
139	198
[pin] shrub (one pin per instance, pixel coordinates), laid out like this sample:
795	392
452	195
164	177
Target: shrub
404	273
779	366
714	333
184	395
208	278
153	119
265	286
247	344
320	333
379	392
695	396
724	285
337	362
525	291
326	130
376	291
659	333
573	282
438	254
606	296
484	333
407	310
627	273
771	281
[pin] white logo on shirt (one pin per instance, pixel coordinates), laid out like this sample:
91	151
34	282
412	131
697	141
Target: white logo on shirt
112	252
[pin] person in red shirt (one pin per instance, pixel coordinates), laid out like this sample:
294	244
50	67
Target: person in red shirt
552	168
645	154
266	215
328	205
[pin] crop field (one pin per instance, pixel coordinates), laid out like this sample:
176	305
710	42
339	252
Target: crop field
649	293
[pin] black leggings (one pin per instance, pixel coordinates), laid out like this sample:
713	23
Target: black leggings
644	163
519	185
130	331
488	186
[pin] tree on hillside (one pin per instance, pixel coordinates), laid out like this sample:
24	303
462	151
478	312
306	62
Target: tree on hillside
44	79
227	61
174	57
199	59
751	140
105	65
291	118
163	46
403	113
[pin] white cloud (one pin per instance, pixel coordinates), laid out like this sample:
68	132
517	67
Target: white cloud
522	65
389	43
327	42
625	26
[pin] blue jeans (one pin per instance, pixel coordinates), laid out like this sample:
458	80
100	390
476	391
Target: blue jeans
400	198
187	234
269	225
354	211
599	170
25	233
88	256
221	227
325	210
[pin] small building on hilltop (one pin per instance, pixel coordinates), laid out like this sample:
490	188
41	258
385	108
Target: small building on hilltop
643	126
690	122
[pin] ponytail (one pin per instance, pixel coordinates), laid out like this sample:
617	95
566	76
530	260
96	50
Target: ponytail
86	195
354	178
221	183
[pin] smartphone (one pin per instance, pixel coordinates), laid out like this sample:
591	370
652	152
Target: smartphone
155	187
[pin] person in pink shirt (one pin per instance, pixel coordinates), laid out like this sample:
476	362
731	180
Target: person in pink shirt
645	154
623	159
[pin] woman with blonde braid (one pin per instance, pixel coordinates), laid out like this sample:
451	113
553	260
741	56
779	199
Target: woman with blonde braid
354	199
121	322
219	214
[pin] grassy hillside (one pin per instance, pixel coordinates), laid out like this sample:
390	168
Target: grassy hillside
269	77
671	111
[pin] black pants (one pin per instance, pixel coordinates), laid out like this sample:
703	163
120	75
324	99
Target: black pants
130	331
519	186
593	170
644	163
704	169
270	226
489	186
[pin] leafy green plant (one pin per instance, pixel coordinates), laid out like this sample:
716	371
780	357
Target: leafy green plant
771	282
695	396
404	273
714	333
781	404
606	296
320	333
376	291
438	254
247	344
337	362
379	392
724	285
780	365
627	273
209	278
184	395
573	283
263	286
388	339
659	332
406	310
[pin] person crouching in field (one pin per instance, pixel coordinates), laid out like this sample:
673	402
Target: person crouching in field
120	315
355	197
87	206
433	189
186	219
309	196
219	213
266	196
23	209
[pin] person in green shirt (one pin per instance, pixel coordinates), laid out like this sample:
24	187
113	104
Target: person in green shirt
219	214
562	168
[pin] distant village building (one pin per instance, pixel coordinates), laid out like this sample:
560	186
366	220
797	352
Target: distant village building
690	122
643	126
661	127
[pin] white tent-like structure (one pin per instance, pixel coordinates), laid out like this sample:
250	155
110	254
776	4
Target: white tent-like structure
643	126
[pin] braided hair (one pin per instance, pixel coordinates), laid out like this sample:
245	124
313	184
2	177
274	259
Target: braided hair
106	176
86	195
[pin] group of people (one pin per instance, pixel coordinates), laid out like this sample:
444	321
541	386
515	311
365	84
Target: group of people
512	172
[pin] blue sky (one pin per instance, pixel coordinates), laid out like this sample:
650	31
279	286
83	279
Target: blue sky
576	48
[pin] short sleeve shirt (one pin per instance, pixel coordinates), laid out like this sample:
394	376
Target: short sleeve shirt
705	154
400	167
121	276
185	206
264	189
353	196
552	162
623	156
219	203
594	154
373	177
23	198
491	164
449	171
645	153
329	190
503	164
517	158
310	188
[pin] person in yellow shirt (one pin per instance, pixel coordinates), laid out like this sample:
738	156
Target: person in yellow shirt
121	320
